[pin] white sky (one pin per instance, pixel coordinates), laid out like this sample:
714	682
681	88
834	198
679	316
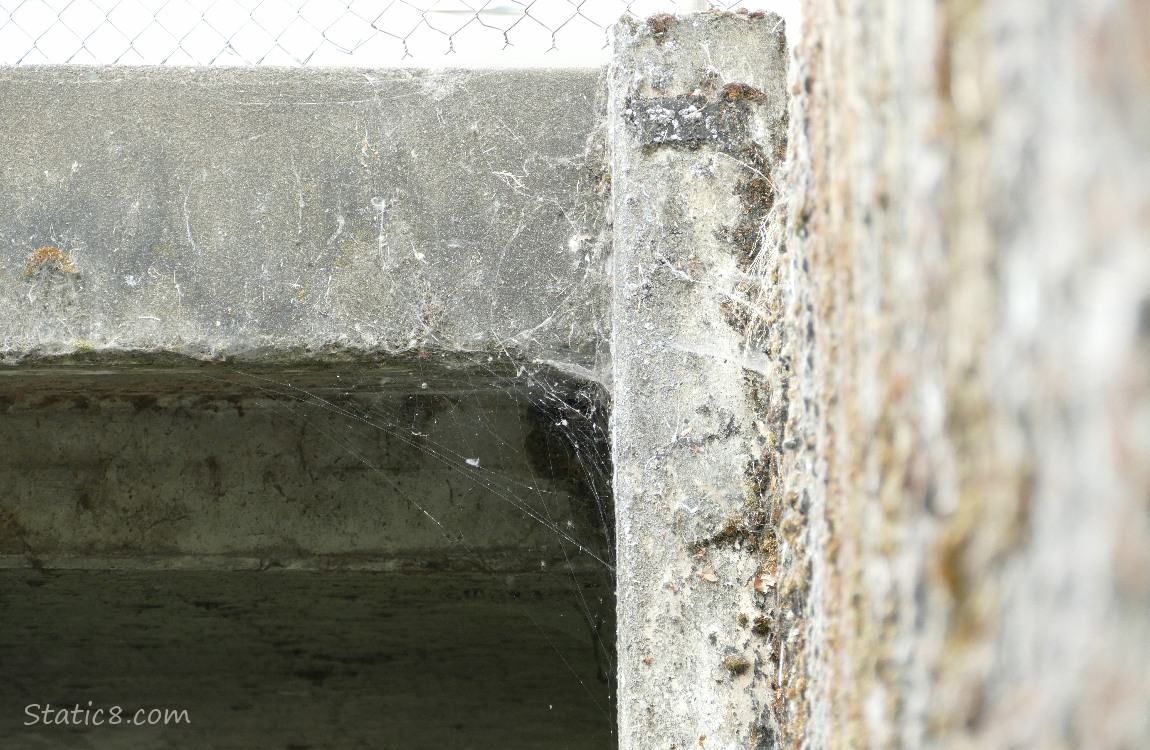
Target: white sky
326	32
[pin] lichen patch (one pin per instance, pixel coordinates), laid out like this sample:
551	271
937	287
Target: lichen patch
51	258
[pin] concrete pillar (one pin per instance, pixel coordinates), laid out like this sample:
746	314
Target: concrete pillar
696	114
970	206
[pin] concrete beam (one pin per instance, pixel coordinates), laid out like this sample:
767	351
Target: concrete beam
696	112
229	212
286	468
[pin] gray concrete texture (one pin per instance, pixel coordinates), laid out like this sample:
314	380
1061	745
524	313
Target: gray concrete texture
225	470
879	355
302	659
695	124
969	275
280	443
229	212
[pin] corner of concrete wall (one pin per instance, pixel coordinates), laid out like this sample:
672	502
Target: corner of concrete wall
880	407
697	114
881	438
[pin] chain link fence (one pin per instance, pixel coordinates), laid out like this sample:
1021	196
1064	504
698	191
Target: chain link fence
320	32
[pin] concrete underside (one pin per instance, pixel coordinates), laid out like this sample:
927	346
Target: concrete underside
301	557
305	660
294	467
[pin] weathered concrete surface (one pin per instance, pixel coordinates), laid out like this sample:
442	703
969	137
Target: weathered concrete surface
697	107
303	556
228	212
303	660
271	444
970	224
287	468
882	478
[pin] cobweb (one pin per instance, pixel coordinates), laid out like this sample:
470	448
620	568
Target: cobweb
459	426
428	549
